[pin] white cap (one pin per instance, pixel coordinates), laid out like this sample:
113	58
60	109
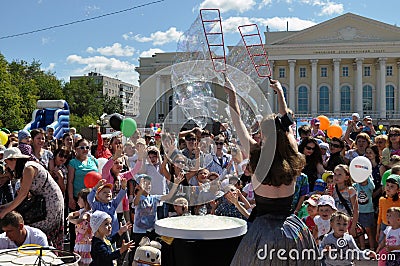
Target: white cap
327	200
96	219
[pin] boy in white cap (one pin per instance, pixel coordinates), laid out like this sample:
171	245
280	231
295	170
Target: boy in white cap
102	252
326	207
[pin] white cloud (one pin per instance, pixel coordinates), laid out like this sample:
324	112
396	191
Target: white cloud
327	7
150	52
45	40
115	50
264	3
275	23
111	67
158	38
331	9
50	67
229	5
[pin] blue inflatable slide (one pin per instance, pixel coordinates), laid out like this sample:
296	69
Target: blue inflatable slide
51	113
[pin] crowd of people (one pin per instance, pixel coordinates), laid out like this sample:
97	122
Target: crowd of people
304	192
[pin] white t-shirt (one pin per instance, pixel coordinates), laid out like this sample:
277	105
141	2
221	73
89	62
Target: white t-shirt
158	181
392	237
33	236
324	226
248	189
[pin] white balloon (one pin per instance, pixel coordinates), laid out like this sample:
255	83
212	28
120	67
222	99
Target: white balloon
360	169
101	162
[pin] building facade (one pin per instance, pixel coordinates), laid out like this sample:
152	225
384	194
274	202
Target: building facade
128	93
346	64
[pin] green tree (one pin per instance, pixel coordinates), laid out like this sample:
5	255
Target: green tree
10	100
112	105
84	97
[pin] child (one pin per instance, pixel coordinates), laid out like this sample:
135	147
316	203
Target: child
24	144
327	177
348	204
366	210
181	207
326	207
82	227
312	210
336	245
100	198
391	199
103	253
392	237
146	206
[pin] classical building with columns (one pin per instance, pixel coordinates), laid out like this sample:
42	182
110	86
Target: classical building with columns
346	64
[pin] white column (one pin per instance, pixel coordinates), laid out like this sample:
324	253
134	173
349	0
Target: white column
162	98
336	85
270	94
358	95
382	87
314	84
158	89
292	95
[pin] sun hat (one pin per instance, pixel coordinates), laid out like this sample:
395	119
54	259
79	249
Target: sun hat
313	200
395	178
326	175
13	153
356	115
315	121
100	188
327	200
319	185
96	219
23	134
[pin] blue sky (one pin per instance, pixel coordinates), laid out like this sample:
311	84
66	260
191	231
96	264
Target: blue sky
113	44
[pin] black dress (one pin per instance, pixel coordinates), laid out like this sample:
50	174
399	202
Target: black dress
275	228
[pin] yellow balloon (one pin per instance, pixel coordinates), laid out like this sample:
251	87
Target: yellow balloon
380	127
3	138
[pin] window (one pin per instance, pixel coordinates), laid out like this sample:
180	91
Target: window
345	99
389	71
367	98
345	71
389	98
302	100
324	99
302	72
282	73
367	71
324	72
170	103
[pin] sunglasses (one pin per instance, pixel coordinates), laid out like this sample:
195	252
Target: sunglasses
63	156
191	139
394	135
179	162
381	142
219	143
335	145
310	148
84	147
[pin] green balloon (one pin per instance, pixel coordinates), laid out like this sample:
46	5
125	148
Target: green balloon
385	176
128	127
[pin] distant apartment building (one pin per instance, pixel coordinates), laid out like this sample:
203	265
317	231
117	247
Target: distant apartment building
128	93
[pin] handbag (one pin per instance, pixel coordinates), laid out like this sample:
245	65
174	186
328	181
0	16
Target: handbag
33	207
360	230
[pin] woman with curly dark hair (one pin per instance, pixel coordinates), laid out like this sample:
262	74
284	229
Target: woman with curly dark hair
314	164
275	165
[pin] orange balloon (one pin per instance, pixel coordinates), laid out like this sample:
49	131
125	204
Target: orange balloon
334	131
324	122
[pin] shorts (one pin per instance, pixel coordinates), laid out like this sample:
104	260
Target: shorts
367	219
